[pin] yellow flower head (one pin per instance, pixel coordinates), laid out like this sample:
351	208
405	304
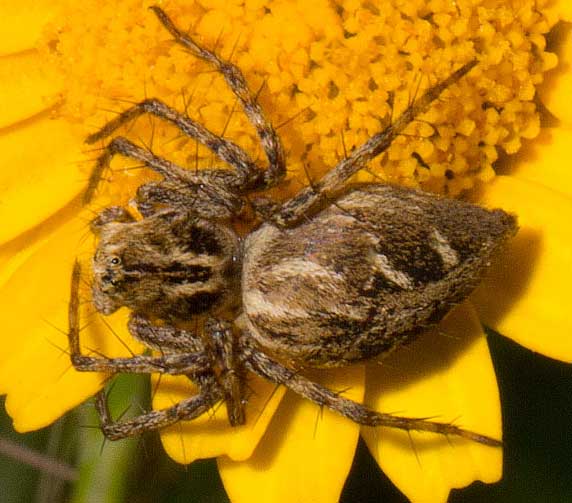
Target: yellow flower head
333	75
329	75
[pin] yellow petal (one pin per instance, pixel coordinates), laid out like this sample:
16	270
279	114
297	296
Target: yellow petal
306	453
21	23
39	174
35	369
544	160
564	8
526	296
556	89
447	375
26	87
211	435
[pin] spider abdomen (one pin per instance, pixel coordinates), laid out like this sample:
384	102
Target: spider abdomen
365	274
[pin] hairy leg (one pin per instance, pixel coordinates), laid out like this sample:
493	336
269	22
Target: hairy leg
185	410
164	338
108	215
264	366
311	198
231	378
208	181
235	79
249	173
212	200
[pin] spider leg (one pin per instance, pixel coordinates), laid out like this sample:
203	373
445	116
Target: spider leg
260	364
108	215
231	376
189	363
187	355
187	409
218	344
203	200
170	171
311	198
178	364
235	79
226	150
164	338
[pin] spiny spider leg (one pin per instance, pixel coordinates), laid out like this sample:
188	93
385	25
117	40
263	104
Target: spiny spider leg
226	150
174	364
231	378
262	365
164	337
221	348
187	409
203	198
108	215
180	364
196	363
167	169
311	198
235	79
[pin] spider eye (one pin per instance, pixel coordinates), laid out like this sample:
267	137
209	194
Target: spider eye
115	261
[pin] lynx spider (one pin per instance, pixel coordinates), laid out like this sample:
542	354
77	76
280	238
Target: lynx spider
182	261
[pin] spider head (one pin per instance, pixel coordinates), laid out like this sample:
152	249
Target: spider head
171	266
108	281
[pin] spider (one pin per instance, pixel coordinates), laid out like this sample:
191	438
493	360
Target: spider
338	274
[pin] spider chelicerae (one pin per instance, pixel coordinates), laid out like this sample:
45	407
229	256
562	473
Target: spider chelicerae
338	274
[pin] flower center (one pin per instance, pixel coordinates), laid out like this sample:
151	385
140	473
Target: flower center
328	74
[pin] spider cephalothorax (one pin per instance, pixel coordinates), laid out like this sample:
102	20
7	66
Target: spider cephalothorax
172	264
335	275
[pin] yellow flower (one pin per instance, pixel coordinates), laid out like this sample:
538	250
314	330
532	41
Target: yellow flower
323	68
